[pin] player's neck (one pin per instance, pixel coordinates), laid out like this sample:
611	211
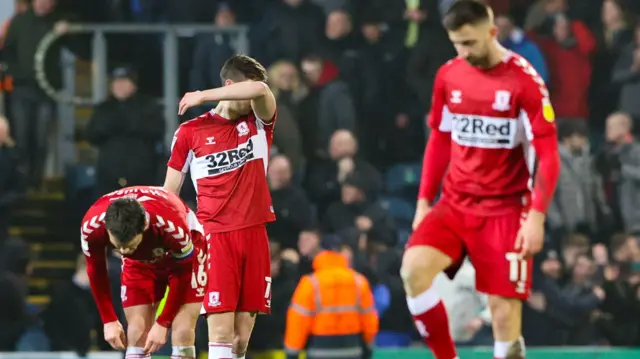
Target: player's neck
225	110
497	54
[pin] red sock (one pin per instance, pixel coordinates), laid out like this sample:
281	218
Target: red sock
430	318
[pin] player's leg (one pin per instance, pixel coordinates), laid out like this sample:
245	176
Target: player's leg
432	248
183	328
255	296
505	278
138	294
224	261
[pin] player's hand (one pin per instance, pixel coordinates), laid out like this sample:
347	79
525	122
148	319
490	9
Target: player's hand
531	235
537	302
474	325
422	208
156	338
189	100
114	335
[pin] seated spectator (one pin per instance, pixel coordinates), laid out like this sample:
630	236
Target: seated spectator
12	178
15	268
514	39
292	208
357	209
73	302
324	179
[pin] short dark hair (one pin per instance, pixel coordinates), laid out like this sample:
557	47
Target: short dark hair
241	68
571	128
465	12
125	219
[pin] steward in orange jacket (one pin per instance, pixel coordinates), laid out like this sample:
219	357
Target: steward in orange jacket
332	314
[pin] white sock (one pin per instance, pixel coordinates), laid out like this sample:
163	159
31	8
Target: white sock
220	350
136	353
236	356
423	302
183	352
500	349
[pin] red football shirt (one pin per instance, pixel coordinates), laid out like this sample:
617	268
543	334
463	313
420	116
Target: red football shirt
228	160
493	117
168	237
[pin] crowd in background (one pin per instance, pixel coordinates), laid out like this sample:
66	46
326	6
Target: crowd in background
353	83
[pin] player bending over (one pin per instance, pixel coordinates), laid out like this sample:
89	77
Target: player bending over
161	243
227	152
490	118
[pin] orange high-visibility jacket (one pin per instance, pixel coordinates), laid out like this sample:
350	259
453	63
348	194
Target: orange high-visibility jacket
332	313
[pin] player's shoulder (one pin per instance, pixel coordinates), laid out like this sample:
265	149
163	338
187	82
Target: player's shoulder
193	123
450	67
523	71
94	217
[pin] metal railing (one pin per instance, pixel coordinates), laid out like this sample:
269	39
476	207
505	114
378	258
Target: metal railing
68	100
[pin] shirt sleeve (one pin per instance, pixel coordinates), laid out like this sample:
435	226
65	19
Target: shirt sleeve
539	122
438	150
93	239
181	152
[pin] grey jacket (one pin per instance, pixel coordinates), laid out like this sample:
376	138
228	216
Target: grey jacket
579	196
628	80
629	185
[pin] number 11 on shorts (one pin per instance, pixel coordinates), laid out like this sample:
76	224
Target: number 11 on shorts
517	271
267	291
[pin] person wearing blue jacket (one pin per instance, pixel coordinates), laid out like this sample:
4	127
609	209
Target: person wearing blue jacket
514	39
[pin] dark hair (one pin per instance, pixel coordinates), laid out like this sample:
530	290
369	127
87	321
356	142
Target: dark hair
465	12
125	219
568	129
241	68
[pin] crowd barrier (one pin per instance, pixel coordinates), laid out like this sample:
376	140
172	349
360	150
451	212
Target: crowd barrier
407	353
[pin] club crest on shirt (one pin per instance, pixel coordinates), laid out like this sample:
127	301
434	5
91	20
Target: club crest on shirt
243	129
502	101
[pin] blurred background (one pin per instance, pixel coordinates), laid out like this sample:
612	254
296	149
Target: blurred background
89	93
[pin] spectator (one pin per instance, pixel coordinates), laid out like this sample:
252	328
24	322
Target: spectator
579	203
210	53
128	122
514	39
290	30
328	108
292	208
72	302
15	268
357	209
324	179
469	314
567	46
12	178
626	74
621	170
32	110
308	246
289	91
21	6
616	33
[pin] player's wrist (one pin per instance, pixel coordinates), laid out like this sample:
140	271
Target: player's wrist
537	215
163	323
423	202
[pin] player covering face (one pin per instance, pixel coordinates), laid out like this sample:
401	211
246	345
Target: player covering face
160	242
491	122
227	152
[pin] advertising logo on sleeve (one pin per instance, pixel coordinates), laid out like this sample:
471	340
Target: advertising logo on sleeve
484	131
547	110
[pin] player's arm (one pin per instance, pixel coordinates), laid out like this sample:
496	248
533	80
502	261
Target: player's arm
438	151
95	252
179	161
182	251
263	102
542	133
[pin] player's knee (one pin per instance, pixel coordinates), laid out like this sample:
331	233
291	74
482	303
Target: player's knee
504	312
182	335
420	265
220	327
137	331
